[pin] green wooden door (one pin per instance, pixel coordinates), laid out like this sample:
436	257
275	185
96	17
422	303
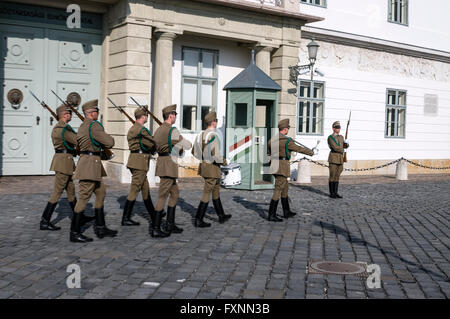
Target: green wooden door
41	59
74	65
22	67
239	133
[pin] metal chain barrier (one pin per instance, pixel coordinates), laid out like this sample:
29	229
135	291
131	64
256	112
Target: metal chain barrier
188	167
424	166
373	168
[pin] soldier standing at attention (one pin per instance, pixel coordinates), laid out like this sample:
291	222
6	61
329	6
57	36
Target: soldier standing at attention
141	144
209	169
169	143
91	140
337	145
282	171
64	140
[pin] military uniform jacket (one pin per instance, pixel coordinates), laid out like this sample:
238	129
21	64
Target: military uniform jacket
280	157
139	138
90	167
212	158
63	138
337	146
167	165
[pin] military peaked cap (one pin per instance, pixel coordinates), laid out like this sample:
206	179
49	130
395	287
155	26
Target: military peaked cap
92	104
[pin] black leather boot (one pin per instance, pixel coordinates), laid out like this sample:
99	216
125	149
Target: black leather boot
156	230
219	210
73	204
45	223
75	230
150	209
273	211
100	228
84	219
201	210
170	221
331	186
336	186
287	213
126	217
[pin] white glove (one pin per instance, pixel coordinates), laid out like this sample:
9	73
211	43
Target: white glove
316	151
346	142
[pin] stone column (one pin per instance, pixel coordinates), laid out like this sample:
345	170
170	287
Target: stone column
282	58
163	72
128	73
262	58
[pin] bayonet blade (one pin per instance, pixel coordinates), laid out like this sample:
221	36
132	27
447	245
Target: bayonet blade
65	103
117	107
35	97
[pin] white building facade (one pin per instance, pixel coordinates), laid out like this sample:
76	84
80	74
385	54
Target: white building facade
389	63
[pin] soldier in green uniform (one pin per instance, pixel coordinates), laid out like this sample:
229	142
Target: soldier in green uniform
64	140
280	168
169	143
209	169
91	139
337	145
142	145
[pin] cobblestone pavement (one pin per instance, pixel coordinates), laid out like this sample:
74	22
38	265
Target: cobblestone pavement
401	226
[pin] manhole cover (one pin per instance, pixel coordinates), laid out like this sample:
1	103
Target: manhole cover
338	268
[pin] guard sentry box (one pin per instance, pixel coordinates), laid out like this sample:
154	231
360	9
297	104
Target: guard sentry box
251	121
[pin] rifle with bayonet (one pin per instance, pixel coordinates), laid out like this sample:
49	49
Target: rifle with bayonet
107	154
145	107
300	144
121	110
77	149
346	135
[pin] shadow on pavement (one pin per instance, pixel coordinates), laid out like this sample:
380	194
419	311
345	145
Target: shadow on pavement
361	242
255	206
311	189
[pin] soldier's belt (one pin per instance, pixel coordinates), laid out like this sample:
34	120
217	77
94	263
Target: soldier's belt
91	153
140	152
283	159
164	154
63	151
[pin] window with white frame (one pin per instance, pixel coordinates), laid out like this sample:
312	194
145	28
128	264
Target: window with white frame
320	3
198	87
395	113
311	99
398	11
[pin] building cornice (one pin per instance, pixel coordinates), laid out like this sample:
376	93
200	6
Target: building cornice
371	43
272	10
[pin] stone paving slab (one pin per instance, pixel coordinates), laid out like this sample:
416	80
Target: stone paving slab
401	226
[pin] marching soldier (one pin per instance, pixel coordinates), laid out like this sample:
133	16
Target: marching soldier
337	144
282	171
169	143
64	140
141	144
91	140
209	169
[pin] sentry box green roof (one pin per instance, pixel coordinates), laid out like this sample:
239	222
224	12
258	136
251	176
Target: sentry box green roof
251	120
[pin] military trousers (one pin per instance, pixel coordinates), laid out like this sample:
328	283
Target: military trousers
212	186
281	187
86	188
62	182
139	183
335	171
167	187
